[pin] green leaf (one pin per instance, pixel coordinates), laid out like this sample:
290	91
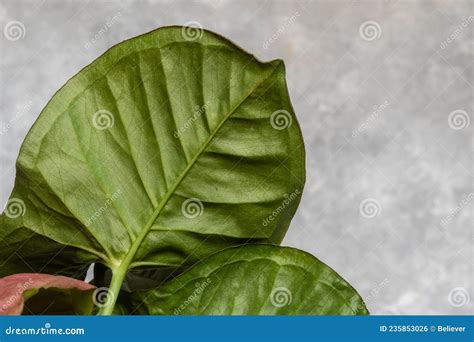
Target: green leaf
24	251
34	293
166	149
255	280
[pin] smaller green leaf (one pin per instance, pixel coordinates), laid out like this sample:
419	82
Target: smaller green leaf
35	293
256	280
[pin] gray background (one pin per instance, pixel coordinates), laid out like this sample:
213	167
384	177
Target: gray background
419	247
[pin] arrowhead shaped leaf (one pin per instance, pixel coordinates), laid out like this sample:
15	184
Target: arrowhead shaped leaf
255	280
34	293
166	149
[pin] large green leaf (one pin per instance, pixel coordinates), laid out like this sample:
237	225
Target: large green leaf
255	280
169	147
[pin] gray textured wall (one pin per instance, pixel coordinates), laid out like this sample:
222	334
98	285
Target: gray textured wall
384	94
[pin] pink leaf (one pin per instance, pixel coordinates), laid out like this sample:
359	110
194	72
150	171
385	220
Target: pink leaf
45	293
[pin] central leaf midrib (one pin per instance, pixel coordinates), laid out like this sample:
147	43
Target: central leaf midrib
125	262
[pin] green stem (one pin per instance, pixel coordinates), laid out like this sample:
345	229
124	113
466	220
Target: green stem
119	272
118	276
